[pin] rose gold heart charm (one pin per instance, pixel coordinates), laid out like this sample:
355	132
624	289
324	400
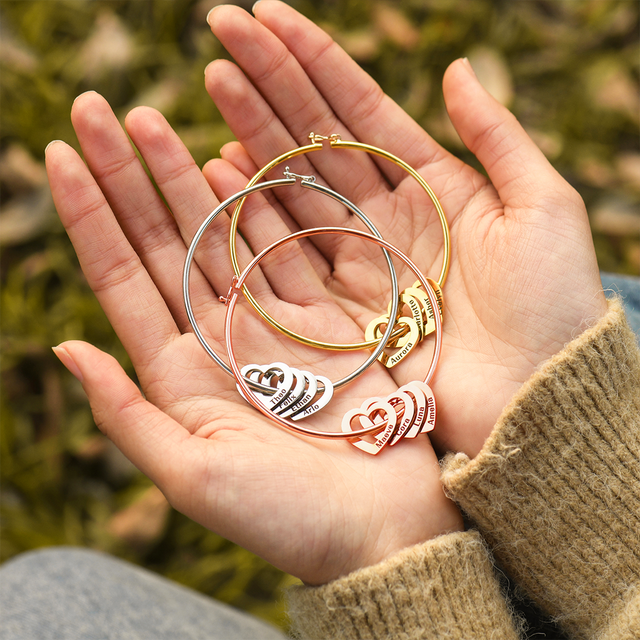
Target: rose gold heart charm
406	407
424	404
373	411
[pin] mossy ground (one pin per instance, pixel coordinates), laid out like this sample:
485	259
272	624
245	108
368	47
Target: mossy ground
567	69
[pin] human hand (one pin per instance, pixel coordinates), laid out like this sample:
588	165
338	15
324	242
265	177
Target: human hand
314	508
523	279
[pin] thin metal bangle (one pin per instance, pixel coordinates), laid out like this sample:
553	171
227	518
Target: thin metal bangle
306	181
236	288
335	142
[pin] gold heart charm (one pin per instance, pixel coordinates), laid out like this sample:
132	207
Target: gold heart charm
415	306
422	300
437	290
410	342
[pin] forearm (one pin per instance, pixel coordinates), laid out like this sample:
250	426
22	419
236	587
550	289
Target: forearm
556	489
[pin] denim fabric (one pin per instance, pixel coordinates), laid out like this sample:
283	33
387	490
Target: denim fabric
76	594
628	287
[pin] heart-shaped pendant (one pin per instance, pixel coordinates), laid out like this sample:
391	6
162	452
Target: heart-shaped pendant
277	375
404	405
405	413
321	399
391	360
415	306
373	411
310	389
424	403
437	290
421	299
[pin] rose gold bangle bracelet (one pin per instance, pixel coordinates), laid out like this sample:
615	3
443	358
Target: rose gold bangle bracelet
405	413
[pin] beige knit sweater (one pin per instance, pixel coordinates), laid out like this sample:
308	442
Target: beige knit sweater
554	494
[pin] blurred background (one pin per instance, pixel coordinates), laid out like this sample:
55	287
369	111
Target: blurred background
568	69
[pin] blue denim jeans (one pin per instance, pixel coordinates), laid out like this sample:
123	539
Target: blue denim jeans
76	594
628	287
68	594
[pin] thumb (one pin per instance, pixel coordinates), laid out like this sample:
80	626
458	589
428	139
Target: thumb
514	164
146	435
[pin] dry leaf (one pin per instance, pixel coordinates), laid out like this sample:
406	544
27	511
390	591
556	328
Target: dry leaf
360	45
493	74
616	216
143	521
612	87
15	55
596	172
392	23
109	48
19	171
26	217
628	165
550	143
161	96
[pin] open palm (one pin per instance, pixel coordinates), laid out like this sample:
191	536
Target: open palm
314	508
522	280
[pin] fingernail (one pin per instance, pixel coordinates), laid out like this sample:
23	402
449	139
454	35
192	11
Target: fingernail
210	12
51	143
84	93
255	4
468	65
68	361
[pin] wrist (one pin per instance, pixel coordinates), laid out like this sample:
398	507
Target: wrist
389	536
558	470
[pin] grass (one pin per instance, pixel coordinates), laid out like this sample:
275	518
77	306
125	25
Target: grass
568	70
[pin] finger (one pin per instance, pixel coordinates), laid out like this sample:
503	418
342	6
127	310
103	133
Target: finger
111	266
263	122
355	98
514	164
265	137
235	154
290	273
139	429
143	216
293	98
190	199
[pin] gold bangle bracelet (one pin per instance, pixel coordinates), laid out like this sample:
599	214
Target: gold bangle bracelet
335	142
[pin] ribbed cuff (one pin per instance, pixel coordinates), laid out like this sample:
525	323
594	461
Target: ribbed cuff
556	489
444	588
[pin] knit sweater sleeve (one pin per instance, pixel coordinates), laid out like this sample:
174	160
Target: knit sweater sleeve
444	588
555	491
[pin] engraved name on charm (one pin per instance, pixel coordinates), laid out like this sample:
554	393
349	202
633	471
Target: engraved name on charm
297	394
405	413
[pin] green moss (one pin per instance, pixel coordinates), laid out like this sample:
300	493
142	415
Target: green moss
61	481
